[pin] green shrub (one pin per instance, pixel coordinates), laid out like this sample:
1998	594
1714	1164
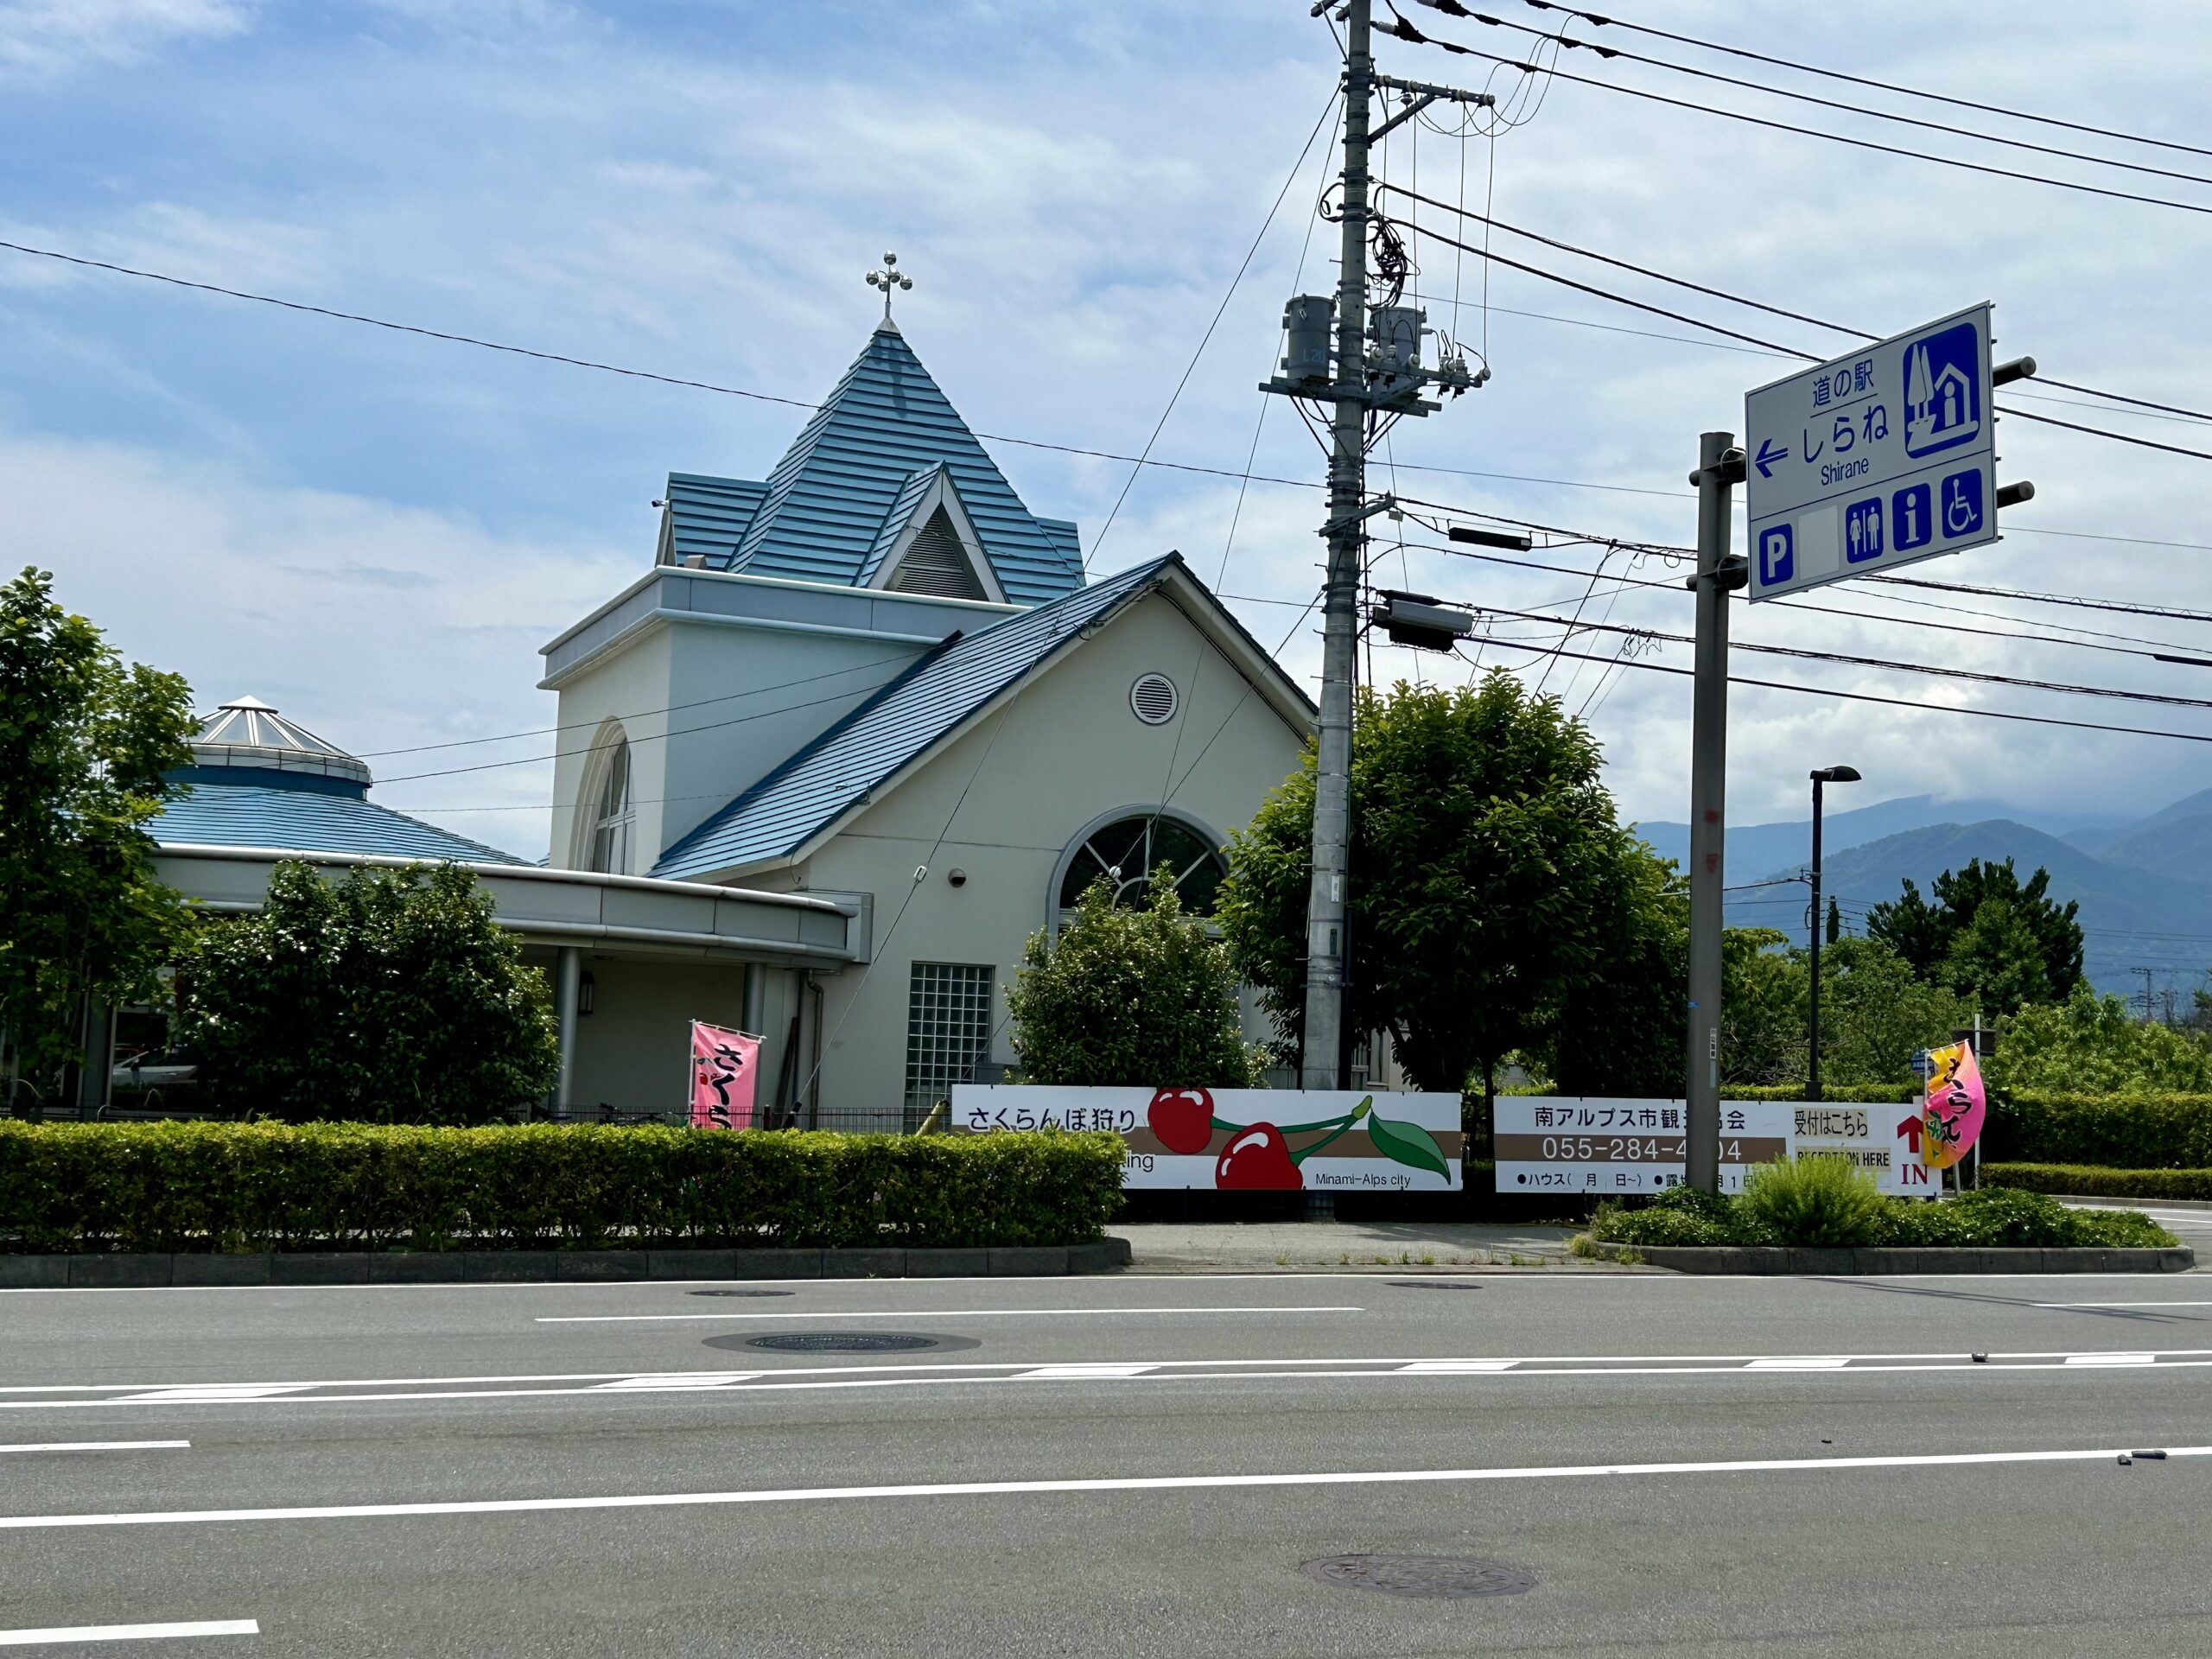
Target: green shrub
1800	1204
2095	1181
268	1186
1822	1200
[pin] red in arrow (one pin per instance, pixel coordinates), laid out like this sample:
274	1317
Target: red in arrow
1911	1129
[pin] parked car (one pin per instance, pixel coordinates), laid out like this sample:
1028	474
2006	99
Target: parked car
157	1068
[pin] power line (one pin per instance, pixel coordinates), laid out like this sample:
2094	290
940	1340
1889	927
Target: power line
1856	81
1808	654
1868	696
1405	31
1829	103
1755	305
2127	606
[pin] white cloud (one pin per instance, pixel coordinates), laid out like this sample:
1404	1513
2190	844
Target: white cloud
380	627
40	38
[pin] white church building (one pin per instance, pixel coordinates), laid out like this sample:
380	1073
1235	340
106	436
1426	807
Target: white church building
876	678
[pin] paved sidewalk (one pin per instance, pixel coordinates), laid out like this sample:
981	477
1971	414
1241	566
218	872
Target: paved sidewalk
1347	1247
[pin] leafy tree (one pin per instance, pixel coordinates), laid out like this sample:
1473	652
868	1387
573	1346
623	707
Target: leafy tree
1835	923
1484	845
2027	950
1621	1032
1130	996
1762	1007
1875	1014
390	997
2091	1045
84	743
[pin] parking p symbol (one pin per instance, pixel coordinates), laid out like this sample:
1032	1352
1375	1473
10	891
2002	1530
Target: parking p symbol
1777	555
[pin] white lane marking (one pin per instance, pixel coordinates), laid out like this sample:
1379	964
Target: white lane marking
2123	1303
128	1632
688	1380
913	1313
102	1445
205	1392
1112	1483
1808	1362
1455	1367
1230	1371
157	1391
1073	1373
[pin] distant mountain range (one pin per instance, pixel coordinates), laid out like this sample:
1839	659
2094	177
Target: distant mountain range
2145	885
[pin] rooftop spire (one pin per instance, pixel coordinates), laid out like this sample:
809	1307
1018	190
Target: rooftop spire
889	279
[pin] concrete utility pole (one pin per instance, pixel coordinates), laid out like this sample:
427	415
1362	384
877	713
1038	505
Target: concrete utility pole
1720	469
1359	384
1322	1060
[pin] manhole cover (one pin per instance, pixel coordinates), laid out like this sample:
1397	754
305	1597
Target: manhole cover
1432	1284
1438	1576
841	1341
741	1293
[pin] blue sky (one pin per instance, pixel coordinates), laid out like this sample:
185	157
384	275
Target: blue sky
376	532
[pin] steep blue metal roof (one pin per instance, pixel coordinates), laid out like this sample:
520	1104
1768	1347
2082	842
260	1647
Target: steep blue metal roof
791	804
308	820
707	517
827	500
901	514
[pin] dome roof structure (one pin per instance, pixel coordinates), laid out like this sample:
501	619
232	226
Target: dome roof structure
259	780
246	734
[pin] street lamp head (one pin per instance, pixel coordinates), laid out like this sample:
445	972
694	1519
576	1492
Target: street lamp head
1836	775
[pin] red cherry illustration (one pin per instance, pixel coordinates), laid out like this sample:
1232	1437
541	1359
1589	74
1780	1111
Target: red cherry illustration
1257	1159
1182	1118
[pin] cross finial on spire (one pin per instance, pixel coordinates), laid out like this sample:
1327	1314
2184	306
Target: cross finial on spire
889	279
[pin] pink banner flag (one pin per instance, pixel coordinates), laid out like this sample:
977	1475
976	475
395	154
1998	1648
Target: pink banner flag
1956	1105
722	1066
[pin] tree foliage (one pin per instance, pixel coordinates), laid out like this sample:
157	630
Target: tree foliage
84	742
2090	1045
1128	996
1988	933
1875	1014
1488	876
390	997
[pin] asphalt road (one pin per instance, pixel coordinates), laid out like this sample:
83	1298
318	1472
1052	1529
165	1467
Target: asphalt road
1135	1466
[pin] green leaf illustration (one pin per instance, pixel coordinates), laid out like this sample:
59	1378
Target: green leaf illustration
1407	1143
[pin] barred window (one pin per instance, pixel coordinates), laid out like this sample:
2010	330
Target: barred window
948	1032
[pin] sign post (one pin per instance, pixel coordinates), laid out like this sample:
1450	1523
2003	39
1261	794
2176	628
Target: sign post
1878	459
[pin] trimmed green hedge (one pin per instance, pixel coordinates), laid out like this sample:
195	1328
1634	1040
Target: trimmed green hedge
2095	1181
2124	1131
1848	1094
176	1186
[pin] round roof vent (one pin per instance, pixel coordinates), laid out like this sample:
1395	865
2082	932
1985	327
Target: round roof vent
1153	699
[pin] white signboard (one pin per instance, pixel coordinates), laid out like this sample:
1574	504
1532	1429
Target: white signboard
1602	1148
1244	1140
1884	1140
1879	459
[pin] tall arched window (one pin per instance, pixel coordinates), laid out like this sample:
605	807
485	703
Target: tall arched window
613	815
1126	851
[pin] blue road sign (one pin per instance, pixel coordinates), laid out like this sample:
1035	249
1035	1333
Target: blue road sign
1876	460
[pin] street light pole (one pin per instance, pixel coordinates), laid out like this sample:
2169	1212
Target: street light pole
1824	776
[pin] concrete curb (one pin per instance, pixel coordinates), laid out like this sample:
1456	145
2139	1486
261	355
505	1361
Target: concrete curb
549	1267
2096	1201
1748	1259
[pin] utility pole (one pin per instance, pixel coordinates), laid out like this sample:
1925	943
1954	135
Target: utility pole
1360	383
1347	533
1824	775
1720	469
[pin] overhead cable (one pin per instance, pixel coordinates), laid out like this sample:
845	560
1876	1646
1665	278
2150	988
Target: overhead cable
1855	80
1404	30
1867	696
